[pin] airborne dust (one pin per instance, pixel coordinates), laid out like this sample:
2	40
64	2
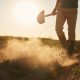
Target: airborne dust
33	53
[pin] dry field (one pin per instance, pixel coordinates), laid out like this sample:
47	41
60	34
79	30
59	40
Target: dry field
36	59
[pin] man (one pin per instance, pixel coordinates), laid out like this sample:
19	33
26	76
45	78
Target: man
66	11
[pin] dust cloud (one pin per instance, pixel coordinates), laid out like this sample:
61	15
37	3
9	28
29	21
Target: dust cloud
33	53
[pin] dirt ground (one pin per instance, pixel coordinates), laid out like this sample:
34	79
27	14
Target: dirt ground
19	69
15	71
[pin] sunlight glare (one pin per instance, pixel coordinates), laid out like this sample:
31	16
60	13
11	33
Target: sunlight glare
26	12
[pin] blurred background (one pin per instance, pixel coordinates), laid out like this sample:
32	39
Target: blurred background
19	18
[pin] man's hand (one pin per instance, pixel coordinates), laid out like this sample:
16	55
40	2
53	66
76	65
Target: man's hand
53	12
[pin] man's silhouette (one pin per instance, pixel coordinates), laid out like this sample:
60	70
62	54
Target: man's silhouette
67	11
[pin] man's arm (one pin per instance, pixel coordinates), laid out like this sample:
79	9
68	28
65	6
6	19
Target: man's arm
57	4
56	7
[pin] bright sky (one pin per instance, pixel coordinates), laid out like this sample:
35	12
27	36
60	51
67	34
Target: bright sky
18	18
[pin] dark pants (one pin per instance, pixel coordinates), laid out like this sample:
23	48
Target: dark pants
69	15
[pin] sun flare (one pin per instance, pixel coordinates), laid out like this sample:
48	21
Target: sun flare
26	12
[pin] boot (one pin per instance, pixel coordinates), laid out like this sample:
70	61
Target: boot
70	47
63	41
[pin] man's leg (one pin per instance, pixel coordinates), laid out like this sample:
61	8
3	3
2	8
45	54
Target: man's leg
71	21
59	29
